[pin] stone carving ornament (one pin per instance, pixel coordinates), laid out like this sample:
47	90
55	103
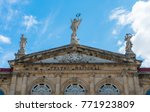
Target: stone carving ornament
73	58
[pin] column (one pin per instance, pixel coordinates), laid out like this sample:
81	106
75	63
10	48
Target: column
58	84
136	83
13	84
24	84
92	92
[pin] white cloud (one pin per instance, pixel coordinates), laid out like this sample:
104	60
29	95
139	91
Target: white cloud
5	39
45	25
5	57
29	21
114	32
138	19
121	15
122	48
119	43
12	1
48	22
17	2
11	14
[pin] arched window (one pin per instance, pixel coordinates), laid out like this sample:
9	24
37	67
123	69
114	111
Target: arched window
108	89
75	89
41	89
1	92
148	92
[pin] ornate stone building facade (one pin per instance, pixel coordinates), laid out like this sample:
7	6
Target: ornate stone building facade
75	69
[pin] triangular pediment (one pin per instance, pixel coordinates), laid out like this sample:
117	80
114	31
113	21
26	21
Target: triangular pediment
75	58
74	54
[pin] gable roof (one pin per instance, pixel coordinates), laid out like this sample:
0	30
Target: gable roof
79	49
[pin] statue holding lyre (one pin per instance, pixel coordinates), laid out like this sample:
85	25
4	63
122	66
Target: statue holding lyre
74	26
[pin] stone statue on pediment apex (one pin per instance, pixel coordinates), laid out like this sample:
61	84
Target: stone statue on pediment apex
75	24
74	27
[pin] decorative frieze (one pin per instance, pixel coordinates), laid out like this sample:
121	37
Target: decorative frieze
72	67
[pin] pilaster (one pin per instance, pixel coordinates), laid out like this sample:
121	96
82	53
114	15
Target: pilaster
136	83
58	81
125	82
13	84
24	84
131	84
92	80
19	83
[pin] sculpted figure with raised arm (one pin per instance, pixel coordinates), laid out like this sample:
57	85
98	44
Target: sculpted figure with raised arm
74	26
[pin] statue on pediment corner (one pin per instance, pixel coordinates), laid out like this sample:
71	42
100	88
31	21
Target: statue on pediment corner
23	42
21	51
128	42
129	45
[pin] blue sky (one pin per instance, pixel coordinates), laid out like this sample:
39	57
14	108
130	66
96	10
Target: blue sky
46	24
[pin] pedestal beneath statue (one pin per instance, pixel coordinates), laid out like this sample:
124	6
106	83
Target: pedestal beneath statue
74	39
